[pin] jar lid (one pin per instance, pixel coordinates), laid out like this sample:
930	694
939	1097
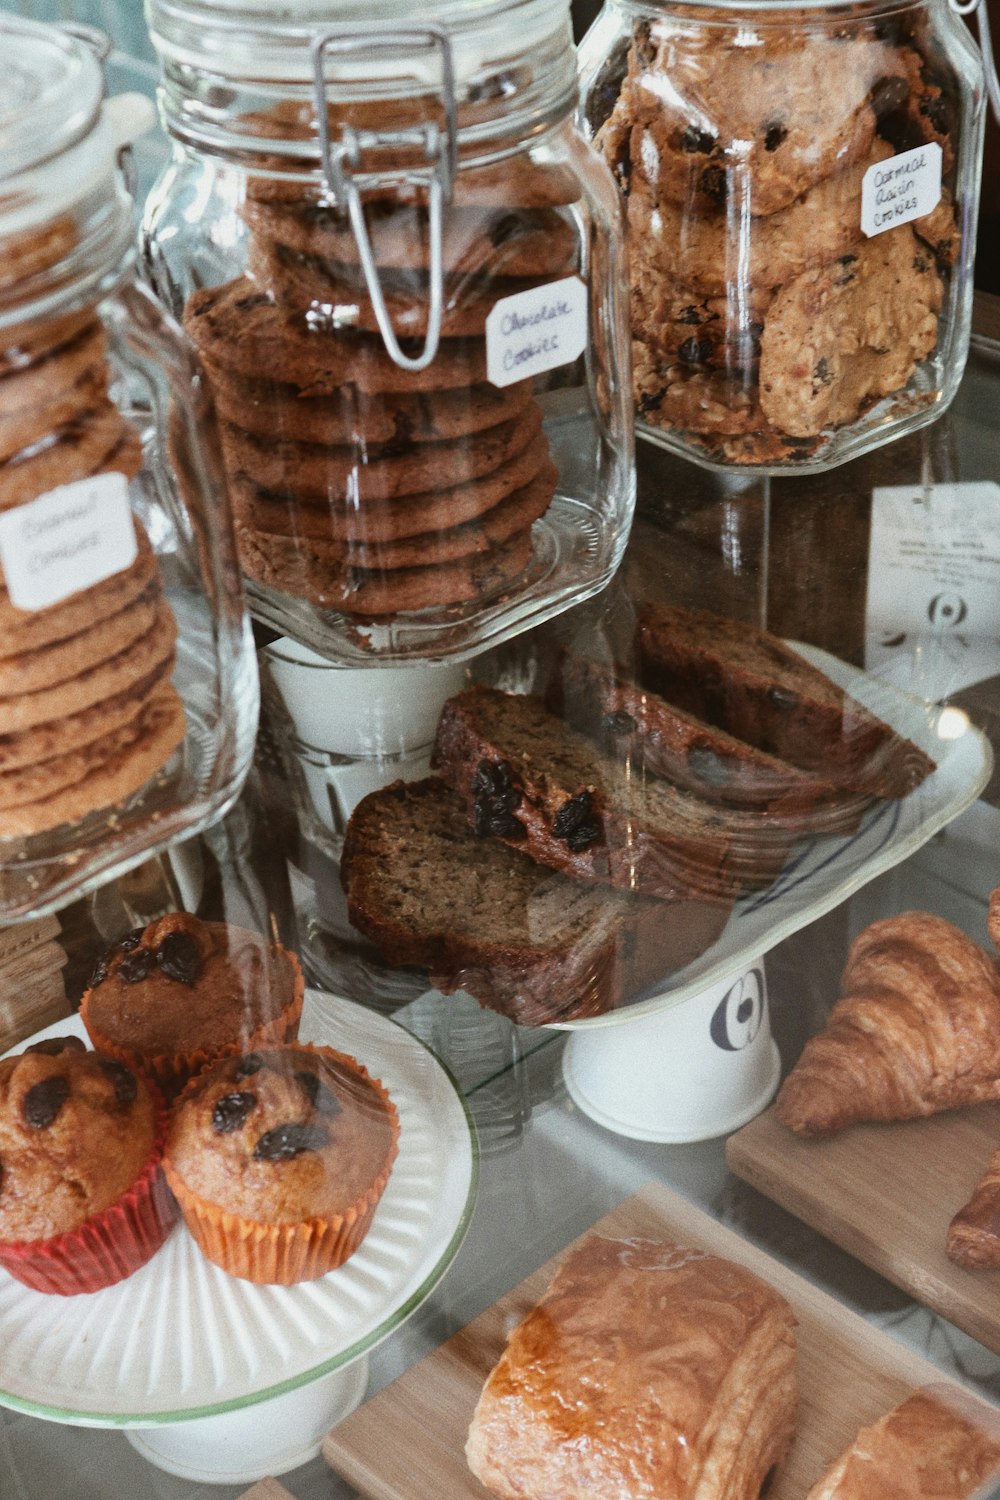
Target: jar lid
65	218
267	42
53	86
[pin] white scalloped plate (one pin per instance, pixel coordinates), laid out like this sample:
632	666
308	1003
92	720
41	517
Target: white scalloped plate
820	873
180	1339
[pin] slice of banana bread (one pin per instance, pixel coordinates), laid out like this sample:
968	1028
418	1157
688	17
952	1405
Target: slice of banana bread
532	781
749	683
629	721
481	917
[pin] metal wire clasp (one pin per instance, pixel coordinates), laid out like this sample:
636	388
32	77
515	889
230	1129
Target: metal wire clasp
978	8
342	158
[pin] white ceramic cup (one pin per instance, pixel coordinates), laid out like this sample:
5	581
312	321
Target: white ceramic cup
689	1072
267	1437
354	730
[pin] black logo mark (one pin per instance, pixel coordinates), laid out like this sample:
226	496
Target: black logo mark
946	611
737	1017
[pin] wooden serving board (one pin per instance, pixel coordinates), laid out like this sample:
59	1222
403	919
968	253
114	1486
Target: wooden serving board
407	1443
886	1194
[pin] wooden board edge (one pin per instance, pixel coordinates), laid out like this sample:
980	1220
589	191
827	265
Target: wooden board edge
930	1287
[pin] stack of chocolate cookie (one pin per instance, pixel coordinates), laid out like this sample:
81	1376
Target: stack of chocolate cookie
762	317
87	713
356	484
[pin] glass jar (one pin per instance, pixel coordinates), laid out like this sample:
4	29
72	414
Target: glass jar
801	187
402	265
128	690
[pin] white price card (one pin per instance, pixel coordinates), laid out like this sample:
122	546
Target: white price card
932	616
536	331
66	540
901	189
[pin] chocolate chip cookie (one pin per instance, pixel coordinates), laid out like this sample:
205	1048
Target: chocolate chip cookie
300	282
483	242
305	572
410	515
241	328
347	415
514	513
328	475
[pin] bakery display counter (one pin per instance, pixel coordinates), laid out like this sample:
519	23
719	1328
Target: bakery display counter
549	1173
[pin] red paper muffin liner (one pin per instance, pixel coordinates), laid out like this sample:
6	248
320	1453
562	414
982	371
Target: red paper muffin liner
171	1071
108	1246
286	1253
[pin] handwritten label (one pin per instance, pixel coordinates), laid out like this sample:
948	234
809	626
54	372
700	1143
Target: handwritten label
901	189
67	540
933	609
536	331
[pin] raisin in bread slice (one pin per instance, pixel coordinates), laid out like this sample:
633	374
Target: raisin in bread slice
630	722
481	917
530	780
749	683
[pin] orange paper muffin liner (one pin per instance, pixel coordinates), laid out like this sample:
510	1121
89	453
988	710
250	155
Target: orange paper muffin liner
172	1071
284	1254
108	1246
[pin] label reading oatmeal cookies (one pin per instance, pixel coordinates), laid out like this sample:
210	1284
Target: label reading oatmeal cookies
903	188
536	331
67	540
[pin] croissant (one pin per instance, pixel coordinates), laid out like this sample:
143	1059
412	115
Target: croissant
938	1444
646	1370
918	1031
974	1233
993	918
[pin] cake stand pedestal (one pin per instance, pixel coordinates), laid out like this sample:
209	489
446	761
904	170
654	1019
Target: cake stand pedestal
239	1447
688	1072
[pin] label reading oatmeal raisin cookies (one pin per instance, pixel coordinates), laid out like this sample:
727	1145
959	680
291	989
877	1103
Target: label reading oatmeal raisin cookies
904	188
67	540
536	331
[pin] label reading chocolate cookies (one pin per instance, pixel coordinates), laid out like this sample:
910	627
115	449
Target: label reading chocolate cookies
536	331
67	540
904	188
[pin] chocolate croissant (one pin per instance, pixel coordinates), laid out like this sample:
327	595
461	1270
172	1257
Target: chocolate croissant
645	1370
938	1444
918	1031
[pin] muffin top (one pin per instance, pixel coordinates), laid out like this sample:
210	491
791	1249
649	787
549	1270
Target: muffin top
182	984
283	1134
76	1130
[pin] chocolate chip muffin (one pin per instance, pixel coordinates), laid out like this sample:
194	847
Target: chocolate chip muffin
83	1202
180	993
278	1159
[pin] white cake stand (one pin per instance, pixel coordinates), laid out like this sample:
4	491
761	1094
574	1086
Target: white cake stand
221	1381
696	1059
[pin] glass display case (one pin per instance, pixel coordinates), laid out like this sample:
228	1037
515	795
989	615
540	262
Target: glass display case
579	991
